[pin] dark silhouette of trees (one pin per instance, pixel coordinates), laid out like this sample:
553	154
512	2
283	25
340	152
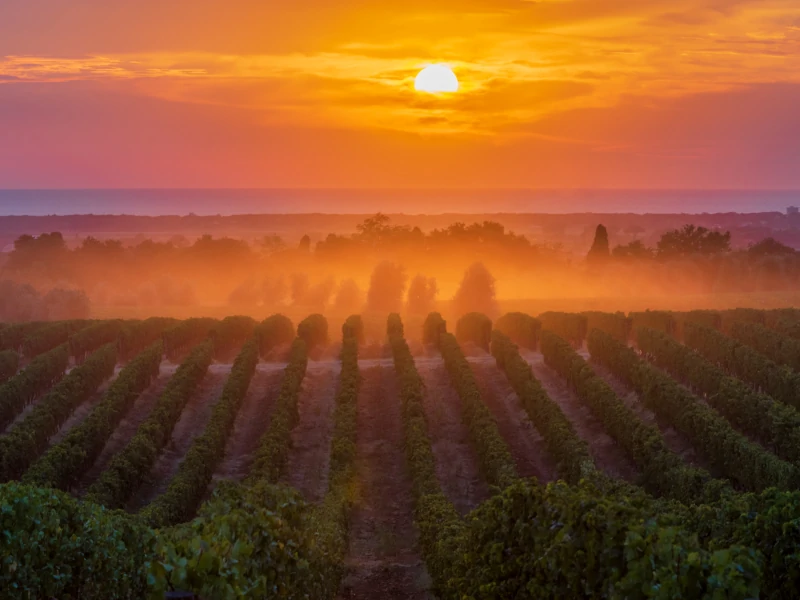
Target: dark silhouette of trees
305	244
635	249
770	247
600	250
693	240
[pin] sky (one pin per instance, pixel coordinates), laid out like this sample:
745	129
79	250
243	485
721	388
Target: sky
660	94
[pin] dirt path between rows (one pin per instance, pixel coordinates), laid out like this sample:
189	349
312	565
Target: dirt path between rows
251	422
192	421
608	455
383	558
457	466
527	445
127	427
310	452
674	439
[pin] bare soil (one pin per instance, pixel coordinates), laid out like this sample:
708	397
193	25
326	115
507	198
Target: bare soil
251	422
457	466
674	439
607	454
310	453
383	558
192	421
525	442
127	427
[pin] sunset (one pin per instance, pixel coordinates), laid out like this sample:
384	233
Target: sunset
375	300
556	93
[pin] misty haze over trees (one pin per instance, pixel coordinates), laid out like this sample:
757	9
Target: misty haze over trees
468	267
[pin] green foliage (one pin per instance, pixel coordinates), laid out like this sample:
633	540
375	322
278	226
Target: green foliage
49	337
663	473
780	382
89	339
313	330
354	328
573	327
273	448
128	468
247	542
566	447
615	324
706	318
433	329
774	425
230	333
493	454
330	518
64	463
742	315
476	328
782	349
13	336
744	462
439	525
138	335
187	488
9	364
534	542
186	334
521	328
28	439
57	547
660	320
274	331
39	375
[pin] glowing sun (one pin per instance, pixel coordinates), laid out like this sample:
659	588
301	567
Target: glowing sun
436	79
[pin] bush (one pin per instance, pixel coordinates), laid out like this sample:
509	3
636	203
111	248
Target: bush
521	329
354	328
313	330
434	327
475	328
274	331
57	547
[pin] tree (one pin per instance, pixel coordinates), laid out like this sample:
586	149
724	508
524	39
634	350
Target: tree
693	240
305	244
600	250
349	297
477	292
422	295
386	287
634	249
770	247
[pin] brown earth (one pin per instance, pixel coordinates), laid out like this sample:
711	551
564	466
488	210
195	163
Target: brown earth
310	453
251	422
607	454
527	445
127	427
192	421
457	466
383	559
674	439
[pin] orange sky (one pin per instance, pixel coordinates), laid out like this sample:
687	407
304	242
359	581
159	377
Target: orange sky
317	93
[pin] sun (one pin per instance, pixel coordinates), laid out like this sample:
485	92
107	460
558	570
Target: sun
436	79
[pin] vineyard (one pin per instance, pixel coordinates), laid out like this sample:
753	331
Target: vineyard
567	455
